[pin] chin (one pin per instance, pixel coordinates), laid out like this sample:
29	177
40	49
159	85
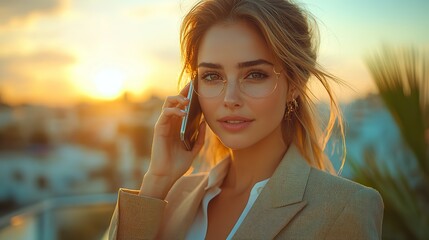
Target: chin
236	142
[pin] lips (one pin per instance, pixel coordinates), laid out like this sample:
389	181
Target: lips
235	123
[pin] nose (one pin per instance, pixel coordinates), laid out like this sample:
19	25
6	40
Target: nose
232	98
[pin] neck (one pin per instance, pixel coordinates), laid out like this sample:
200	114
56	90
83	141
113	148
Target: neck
256	163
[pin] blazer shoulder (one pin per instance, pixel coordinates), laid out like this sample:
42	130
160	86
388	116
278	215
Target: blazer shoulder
332	183
355	210
340	191
343	202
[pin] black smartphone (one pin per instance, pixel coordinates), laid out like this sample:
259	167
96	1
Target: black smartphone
191	121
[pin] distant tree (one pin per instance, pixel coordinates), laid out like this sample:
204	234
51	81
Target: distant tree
11	138
40	137
401	76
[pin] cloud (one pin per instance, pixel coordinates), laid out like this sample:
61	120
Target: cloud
19	12
35	75
19	67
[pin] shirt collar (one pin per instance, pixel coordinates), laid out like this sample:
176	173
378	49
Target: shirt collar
218	173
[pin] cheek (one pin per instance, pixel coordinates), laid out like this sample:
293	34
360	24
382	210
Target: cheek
208	108
272	110
275	105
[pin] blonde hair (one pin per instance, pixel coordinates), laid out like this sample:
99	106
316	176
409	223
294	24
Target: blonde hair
290	34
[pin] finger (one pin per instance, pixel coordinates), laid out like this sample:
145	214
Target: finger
200	139
168	113
175	101
185	90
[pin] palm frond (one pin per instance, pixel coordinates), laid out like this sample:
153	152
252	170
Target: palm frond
401	78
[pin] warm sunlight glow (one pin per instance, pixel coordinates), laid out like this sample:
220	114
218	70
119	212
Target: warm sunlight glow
109	79
107	84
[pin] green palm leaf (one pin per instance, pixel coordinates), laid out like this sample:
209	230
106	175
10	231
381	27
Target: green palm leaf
402	80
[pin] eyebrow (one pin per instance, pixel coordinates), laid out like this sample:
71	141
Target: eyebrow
240	65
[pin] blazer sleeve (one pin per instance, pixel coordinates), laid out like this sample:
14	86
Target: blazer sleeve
361	218
136	217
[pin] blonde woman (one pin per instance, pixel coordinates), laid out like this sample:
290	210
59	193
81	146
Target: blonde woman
252	61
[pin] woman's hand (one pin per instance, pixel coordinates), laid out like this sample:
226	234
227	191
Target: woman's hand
169	160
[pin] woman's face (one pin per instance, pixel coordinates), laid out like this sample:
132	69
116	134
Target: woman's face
232	52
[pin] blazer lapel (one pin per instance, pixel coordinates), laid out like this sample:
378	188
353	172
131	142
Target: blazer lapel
279	201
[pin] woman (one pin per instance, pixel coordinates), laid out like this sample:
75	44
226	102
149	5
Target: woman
252	61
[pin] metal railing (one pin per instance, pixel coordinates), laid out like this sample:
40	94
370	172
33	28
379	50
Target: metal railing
76	217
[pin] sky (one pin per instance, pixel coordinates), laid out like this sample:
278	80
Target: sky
60	52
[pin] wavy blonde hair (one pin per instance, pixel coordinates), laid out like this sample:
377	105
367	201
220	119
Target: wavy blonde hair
292	35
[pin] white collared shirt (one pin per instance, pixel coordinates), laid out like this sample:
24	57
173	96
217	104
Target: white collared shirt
216	176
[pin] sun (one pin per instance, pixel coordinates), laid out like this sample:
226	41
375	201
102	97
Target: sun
107	83
98	80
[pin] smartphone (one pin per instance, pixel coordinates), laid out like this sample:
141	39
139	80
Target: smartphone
191	121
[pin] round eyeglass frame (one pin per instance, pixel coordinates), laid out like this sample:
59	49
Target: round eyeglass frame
195	80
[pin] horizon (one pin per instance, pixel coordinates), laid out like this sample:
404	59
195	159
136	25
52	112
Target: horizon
126	98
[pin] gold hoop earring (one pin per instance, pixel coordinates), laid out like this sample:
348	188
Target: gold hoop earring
291	107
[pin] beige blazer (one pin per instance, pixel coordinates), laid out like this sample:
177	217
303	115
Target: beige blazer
298	202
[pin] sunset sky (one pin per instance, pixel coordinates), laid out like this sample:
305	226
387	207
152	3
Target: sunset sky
59	52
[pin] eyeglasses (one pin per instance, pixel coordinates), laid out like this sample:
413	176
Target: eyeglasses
255	84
